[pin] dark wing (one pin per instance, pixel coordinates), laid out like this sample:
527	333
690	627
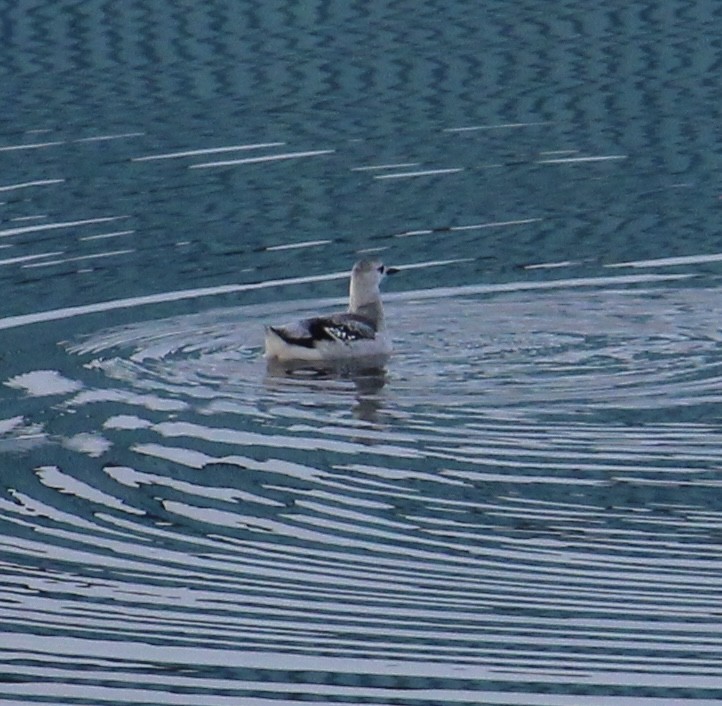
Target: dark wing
344	328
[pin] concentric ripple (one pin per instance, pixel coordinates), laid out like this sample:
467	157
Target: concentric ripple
522	508
545	525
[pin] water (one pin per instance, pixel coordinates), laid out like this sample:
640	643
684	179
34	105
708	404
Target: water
522	507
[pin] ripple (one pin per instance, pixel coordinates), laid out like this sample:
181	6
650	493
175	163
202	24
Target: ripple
521	508
517	527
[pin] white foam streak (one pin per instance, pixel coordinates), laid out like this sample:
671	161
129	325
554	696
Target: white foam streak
670	261
80	258
380	167
20	219
55	226
27	184
110	137
497	126
297	246
266	158
575	160
552	265
497	224
420	173
30	258
104	236
210	150
31	146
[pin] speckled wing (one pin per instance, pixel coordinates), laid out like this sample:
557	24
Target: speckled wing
344	328
337	328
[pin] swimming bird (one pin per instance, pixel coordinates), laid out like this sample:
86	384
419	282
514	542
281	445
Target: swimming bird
358	332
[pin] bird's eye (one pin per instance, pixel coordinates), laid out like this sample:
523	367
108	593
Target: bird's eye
381	269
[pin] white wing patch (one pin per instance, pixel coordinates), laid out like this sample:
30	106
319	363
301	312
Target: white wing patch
350	331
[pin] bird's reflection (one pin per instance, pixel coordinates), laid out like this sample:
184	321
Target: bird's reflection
368	376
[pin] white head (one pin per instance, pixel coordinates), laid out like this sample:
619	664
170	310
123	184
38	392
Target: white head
364	295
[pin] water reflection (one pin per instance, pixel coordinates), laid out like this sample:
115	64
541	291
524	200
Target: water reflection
367	377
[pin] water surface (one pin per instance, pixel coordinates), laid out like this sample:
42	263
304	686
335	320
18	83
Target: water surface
522	507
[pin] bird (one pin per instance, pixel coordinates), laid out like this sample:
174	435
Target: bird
356	333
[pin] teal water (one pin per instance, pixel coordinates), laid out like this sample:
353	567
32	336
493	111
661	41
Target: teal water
523	507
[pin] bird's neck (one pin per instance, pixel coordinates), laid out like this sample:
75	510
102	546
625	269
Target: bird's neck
373	311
